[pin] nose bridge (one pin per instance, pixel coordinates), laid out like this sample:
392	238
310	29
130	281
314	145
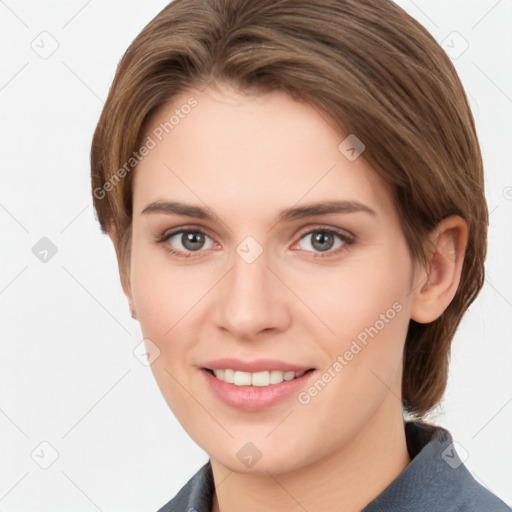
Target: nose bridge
250	299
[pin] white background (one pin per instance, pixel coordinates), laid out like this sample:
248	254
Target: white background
67	369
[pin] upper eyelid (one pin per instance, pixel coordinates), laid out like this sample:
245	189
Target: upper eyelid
320	227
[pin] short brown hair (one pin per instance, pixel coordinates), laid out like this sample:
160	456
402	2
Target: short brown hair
368	66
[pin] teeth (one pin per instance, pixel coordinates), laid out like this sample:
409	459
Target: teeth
242	379
229	376
276	377
259	379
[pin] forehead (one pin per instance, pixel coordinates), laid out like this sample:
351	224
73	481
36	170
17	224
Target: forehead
248	154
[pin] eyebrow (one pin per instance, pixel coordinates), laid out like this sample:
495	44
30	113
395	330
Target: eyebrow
288	214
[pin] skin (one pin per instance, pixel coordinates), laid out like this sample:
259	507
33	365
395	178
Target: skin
246	158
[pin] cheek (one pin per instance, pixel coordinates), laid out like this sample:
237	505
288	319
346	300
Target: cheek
366	307
168	299
359	298
164	298
162	292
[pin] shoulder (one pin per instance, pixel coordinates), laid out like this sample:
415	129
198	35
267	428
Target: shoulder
465	494
473	497
196	495
436	479
452	482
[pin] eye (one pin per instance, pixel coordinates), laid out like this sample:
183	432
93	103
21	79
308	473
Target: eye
185	242
324	242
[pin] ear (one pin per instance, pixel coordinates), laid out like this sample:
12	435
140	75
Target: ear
439	282
123	271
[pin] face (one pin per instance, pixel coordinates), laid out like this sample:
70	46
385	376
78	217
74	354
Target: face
262	254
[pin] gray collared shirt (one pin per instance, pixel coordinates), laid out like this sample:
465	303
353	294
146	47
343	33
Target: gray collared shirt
436	480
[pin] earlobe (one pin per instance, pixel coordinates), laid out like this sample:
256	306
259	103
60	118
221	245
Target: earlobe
439	282
125	283
132	310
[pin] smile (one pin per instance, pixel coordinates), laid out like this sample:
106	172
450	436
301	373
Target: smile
254	385
259	379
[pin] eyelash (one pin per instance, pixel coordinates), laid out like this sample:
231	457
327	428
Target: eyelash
346	239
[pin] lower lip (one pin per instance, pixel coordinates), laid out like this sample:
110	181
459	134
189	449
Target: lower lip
254	398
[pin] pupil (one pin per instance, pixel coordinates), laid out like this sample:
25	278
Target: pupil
323	241
192	241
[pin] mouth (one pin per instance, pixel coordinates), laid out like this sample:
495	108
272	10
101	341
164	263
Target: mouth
255	386
261	379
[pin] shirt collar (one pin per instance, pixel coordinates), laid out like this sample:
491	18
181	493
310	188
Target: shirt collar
434	463
435	479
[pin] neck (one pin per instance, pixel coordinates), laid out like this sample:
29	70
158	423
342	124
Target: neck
348	479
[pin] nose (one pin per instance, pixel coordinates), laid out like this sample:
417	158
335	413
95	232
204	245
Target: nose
251	300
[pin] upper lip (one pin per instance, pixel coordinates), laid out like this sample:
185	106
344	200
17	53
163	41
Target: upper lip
257	365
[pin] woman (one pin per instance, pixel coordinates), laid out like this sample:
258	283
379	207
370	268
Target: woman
294	190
